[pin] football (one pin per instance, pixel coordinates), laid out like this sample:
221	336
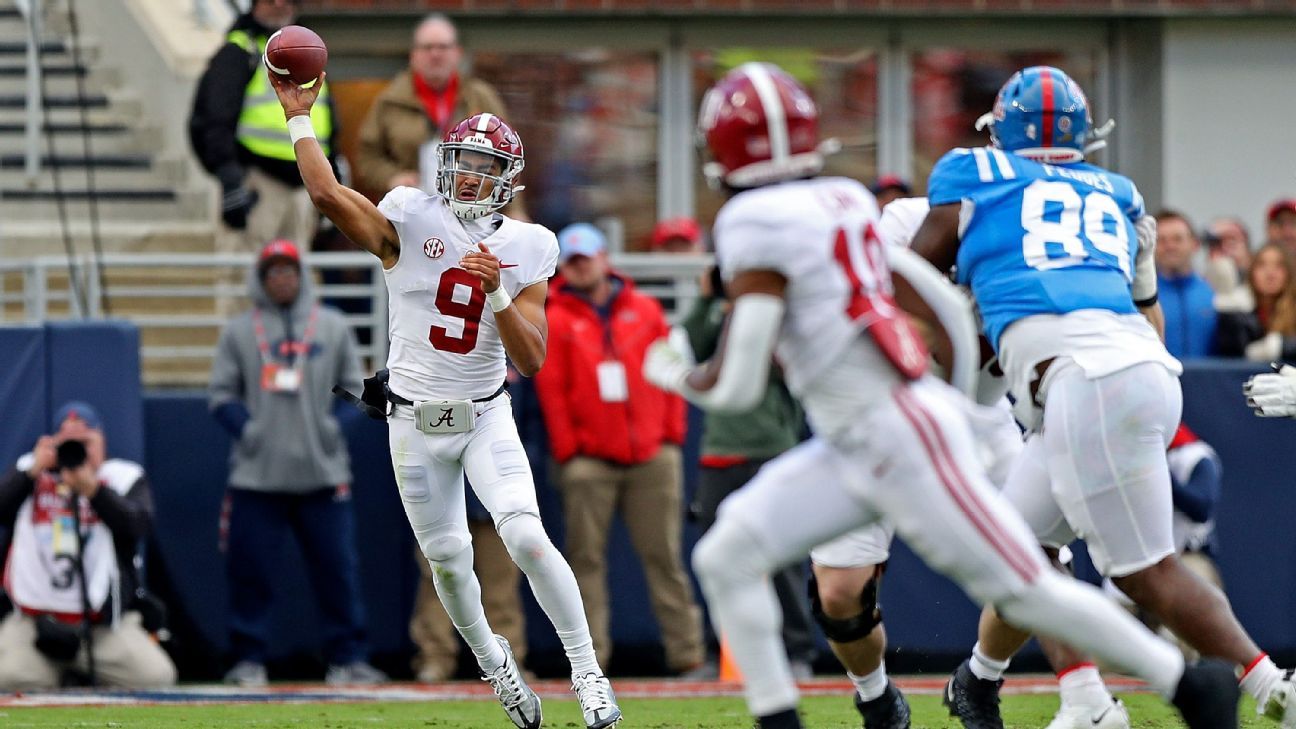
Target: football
297	53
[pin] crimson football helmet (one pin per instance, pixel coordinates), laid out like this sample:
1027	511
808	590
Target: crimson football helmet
761	126
480	148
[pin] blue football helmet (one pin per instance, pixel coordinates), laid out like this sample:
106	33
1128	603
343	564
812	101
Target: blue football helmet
1041	114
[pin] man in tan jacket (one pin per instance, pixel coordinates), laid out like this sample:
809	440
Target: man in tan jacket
416	108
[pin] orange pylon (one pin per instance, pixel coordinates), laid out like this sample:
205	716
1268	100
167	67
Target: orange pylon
728	667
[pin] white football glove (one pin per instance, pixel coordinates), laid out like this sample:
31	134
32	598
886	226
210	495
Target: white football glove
669	361
1144	286
1272	395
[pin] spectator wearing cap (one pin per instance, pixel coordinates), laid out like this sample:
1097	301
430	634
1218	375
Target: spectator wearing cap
270	389
1228	261
677	235
77	519
617	441
1186	298
1280	224
889	187
1267	332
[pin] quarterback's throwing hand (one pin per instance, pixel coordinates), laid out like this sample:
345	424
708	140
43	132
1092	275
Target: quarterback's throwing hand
484	265
296	100
1272	395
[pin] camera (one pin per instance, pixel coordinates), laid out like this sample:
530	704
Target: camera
70	454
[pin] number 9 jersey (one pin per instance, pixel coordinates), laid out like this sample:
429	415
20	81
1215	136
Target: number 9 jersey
1039	238
444	340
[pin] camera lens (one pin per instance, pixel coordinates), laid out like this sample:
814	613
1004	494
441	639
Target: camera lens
70	454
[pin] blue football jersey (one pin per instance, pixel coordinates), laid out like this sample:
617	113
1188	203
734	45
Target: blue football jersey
1039	238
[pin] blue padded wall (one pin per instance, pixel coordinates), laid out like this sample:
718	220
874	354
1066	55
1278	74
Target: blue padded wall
23	391
99	362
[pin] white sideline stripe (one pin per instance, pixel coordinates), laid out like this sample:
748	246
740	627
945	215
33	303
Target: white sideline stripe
214	694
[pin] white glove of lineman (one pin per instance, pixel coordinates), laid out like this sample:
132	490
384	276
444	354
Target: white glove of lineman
1272	395
669	361
1265	349
1145	230
1144	285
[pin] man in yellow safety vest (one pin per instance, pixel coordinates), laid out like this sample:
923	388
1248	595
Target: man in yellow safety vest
239	133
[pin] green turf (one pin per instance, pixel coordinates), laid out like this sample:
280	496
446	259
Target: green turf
1020	712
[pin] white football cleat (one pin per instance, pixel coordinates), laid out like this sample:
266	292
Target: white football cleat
1112	716
519	701
598	703
1280	705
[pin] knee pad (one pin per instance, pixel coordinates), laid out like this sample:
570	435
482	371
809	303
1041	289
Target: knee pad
849	630
524	537
443	545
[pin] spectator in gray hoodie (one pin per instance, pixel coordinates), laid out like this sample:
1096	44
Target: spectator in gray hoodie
289	472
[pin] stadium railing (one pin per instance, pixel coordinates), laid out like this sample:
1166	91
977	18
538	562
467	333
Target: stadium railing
176	299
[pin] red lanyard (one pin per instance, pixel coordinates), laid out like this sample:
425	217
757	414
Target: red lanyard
303	347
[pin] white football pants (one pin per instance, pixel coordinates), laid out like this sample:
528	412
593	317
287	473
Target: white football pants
911	460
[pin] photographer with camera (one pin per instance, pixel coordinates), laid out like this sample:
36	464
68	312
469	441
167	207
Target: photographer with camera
77	519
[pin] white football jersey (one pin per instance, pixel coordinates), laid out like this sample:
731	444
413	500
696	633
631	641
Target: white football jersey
444	340
820	234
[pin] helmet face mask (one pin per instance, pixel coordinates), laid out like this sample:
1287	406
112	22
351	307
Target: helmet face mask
1042	114
480	160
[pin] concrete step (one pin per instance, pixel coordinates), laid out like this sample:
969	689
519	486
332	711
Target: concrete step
59	79
109	109
11	48
57	101
51	69
18	203
113	138
111	172
44	237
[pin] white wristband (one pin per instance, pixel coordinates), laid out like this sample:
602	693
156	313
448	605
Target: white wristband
498	299
299	127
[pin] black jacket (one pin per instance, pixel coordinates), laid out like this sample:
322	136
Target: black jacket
129	517
1234	330
218	102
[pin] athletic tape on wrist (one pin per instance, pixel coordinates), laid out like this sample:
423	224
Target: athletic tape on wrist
299	127
499	299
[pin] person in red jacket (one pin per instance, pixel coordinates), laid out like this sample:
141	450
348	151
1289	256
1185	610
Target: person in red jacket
617	439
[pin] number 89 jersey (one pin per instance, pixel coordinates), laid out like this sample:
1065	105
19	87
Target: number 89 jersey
444	340
1039	238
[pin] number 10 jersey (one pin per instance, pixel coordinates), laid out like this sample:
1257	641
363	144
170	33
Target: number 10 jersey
444	340
1039	238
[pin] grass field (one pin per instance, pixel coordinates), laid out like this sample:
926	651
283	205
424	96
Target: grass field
818	712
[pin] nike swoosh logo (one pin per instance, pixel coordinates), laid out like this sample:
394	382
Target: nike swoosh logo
1098	719
508	265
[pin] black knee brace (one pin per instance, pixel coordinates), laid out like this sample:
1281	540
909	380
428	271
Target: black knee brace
849	630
